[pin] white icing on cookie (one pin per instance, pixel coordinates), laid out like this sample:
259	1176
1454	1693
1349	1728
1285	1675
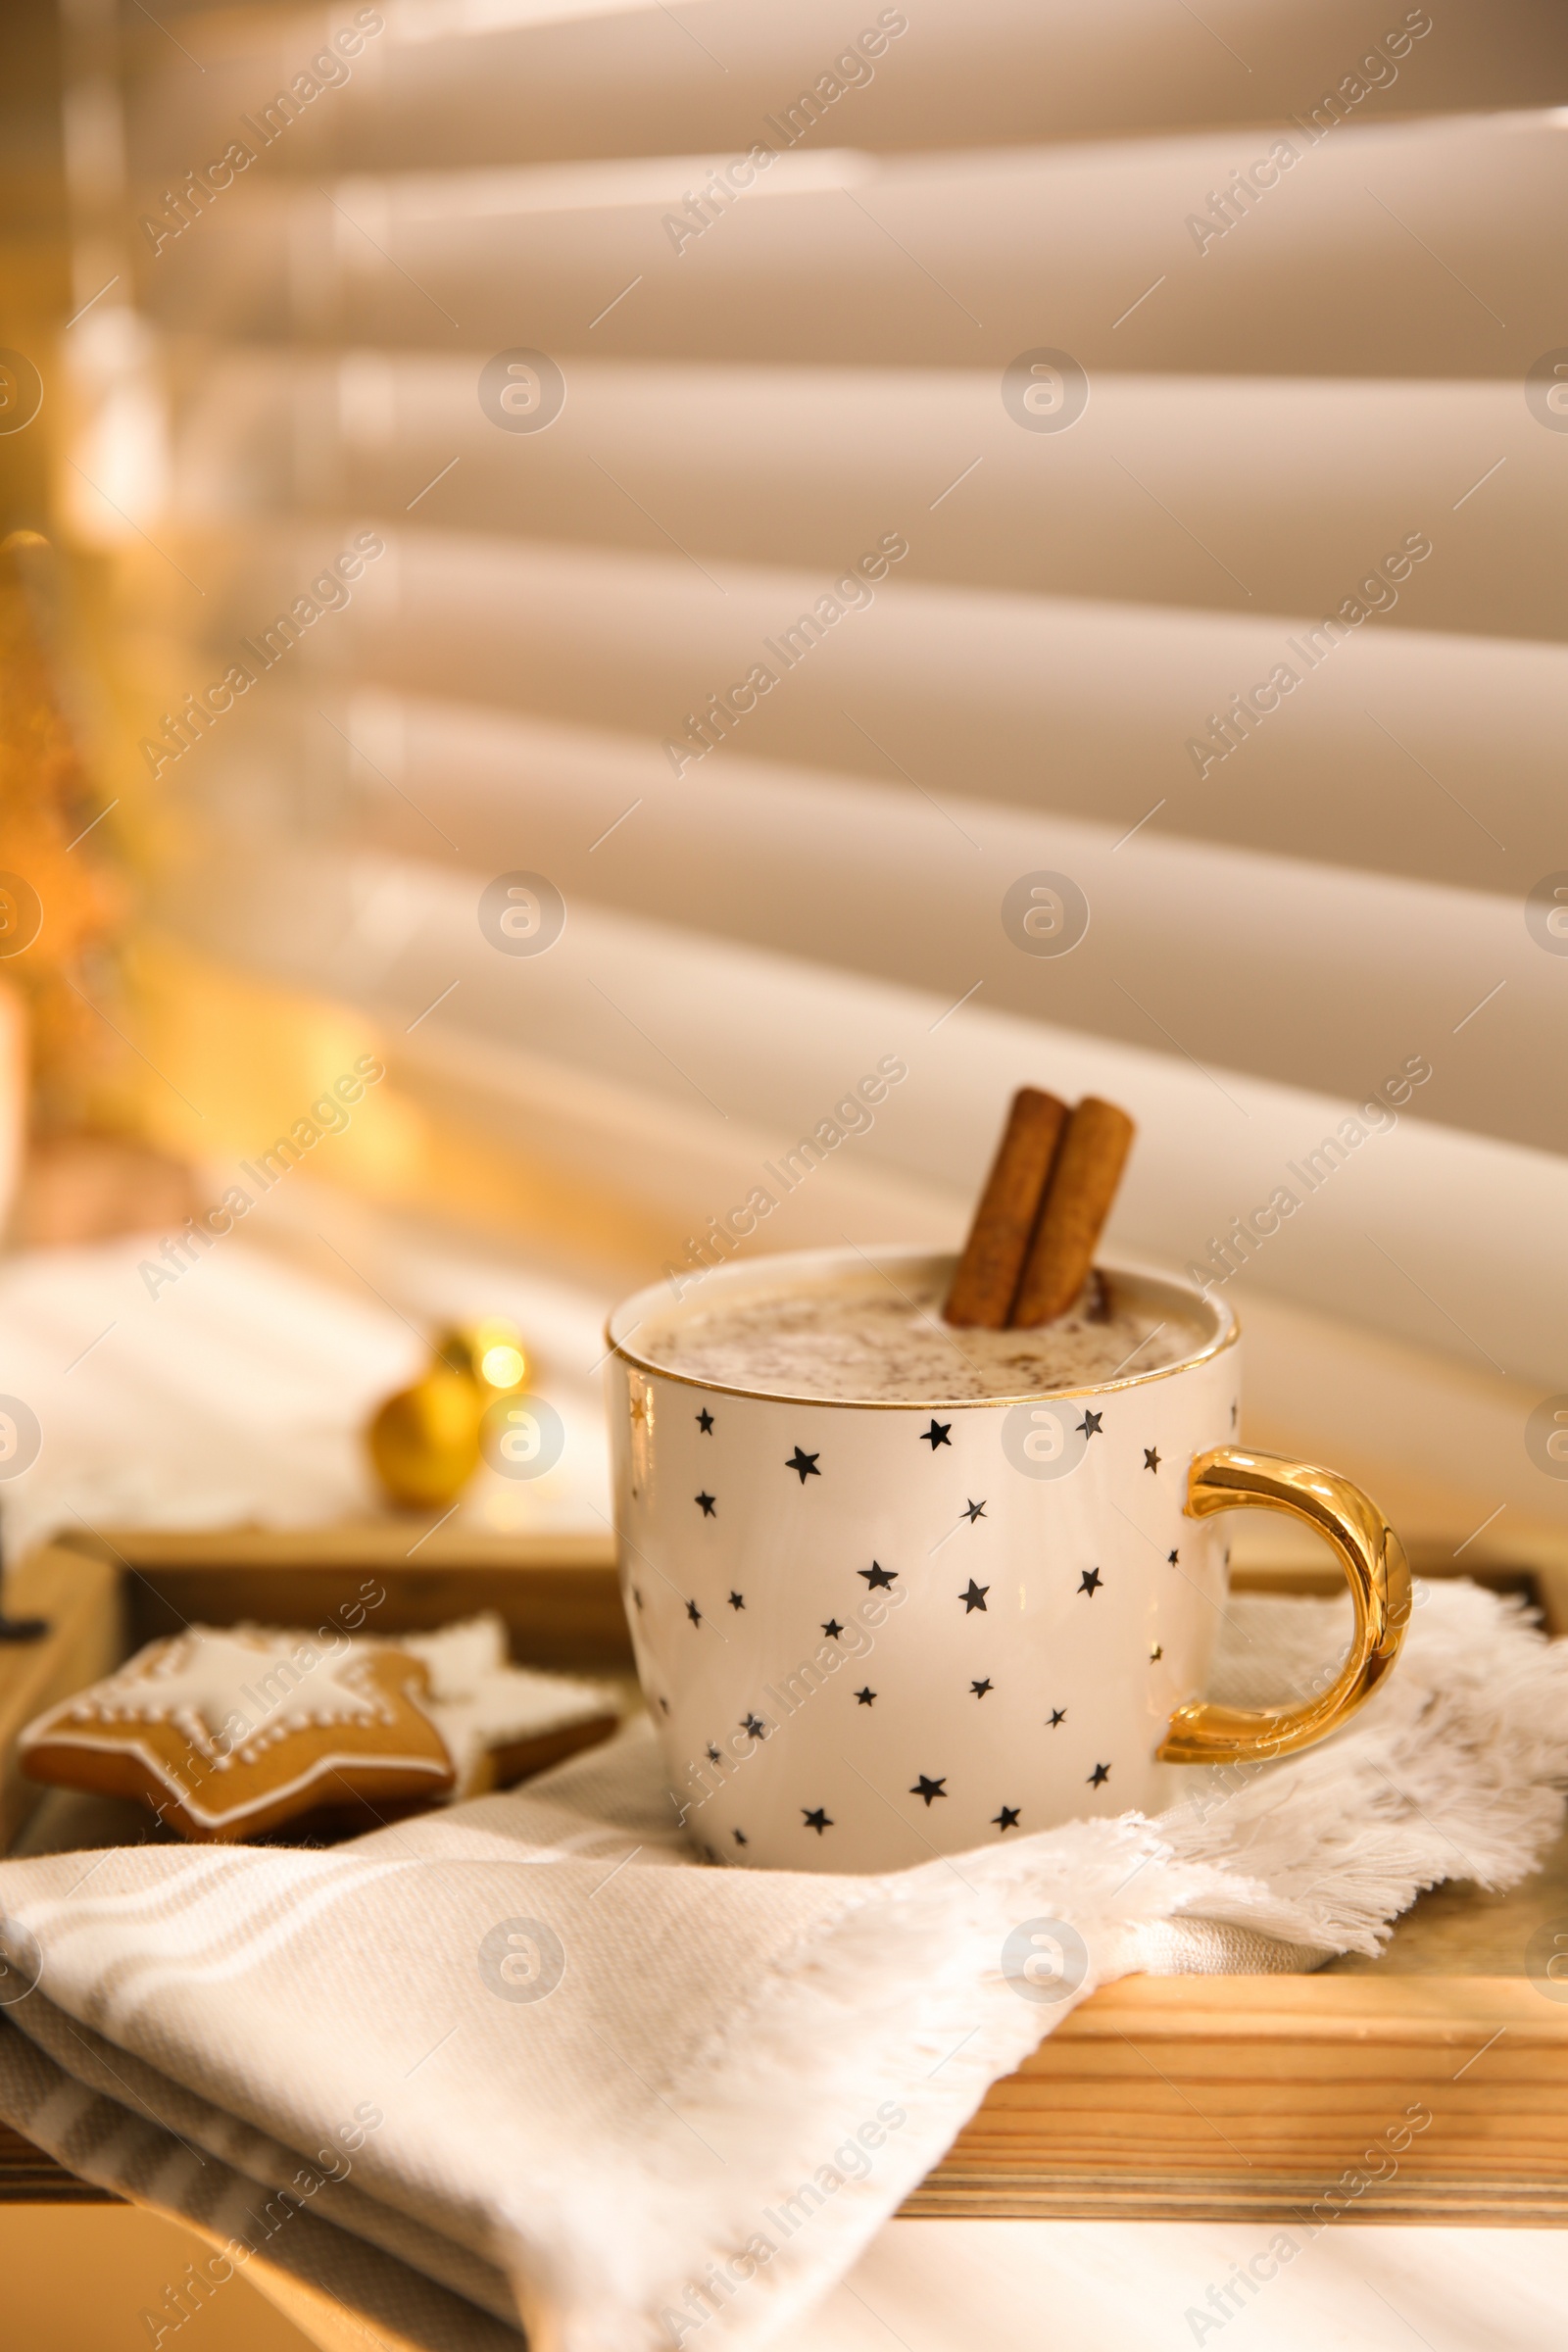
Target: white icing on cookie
234	1692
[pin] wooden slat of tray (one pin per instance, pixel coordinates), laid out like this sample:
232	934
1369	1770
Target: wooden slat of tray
1192	2097
28	2176
1212	2096
81	1601
558	1593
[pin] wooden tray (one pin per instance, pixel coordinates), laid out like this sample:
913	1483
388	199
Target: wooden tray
1191	2098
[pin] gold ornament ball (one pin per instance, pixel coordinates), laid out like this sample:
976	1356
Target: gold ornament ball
424	1441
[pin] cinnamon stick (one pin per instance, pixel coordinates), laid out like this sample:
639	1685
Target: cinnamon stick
1083	1185
987	1274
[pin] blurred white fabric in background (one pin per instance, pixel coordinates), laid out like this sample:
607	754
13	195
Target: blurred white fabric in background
240	1391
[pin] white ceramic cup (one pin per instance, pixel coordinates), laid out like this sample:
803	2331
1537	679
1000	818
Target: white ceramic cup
871	1631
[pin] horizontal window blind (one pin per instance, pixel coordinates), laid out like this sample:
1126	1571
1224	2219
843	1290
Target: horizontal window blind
1240	611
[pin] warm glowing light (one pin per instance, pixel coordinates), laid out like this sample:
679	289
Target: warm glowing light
503	1367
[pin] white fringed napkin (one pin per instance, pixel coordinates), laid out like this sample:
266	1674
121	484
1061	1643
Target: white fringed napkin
322	2061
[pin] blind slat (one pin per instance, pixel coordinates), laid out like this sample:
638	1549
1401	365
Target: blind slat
1384	252
801	467
453	85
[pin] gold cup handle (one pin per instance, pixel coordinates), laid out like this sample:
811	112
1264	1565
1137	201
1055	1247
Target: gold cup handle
1379	1574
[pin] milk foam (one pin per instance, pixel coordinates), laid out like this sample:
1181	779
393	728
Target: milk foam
879	1339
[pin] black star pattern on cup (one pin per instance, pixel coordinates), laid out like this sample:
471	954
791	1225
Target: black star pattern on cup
1173	1559
832	1629
705	1503
1006	1819
1090	1582
805	1463
980	1688
974	1598
753	1725
1152	1458
737	1600
637	1596
1058	1715
694	1612
936	1434
704	1422
818	1820
740	1838
1089	1426
865	1698
1100	1776
714	1756
929	1789
665	1704
877	1575
973	1512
